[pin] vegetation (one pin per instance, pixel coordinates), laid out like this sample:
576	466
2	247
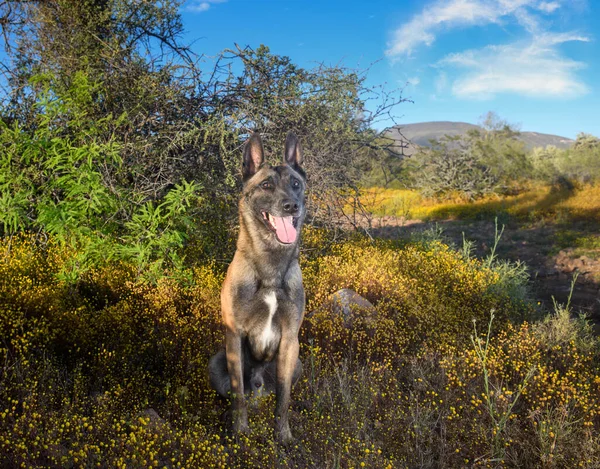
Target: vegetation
111	370
120	124
579	164
537	203
490	161
478	163
56	179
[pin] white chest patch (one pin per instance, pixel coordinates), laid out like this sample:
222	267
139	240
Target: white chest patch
267	335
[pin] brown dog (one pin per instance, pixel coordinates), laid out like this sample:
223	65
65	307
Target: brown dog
262	299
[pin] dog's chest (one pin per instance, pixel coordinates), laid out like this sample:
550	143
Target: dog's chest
265	333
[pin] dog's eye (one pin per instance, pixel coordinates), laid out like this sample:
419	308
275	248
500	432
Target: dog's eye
295	183
266	185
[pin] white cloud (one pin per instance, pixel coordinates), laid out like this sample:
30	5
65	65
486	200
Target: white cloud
548	7
414	81
527	20
534	68
446	14
198	6
422	27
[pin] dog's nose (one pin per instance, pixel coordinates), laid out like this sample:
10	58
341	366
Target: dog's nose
290	206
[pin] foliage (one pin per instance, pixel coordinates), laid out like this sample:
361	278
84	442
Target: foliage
579	164
111	371
423	291
112	139
503	154
132	51
186	118
490	160
498	413
106	332
324	106
61	179
544	163
581	245
450	165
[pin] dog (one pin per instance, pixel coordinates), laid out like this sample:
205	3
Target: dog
262	299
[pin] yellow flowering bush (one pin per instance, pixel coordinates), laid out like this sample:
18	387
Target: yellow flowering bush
424	297
111	371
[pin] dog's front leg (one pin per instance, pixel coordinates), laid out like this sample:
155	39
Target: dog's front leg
286	364
233	349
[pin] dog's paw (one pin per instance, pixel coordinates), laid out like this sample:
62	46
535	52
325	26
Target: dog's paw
284	435
240	421
241	427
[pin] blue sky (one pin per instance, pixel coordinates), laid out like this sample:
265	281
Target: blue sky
536	63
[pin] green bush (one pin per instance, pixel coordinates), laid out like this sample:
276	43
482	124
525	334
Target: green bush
569	167
450	167
59	179
471	165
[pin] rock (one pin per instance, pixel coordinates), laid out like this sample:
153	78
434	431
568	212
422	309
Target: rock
346	301
567	262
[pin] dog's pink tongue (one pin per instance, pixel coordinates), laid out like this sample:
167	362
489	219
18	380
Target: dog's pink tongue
285	231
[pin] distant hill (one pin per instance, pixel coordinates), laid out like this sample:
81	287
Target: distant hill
421	133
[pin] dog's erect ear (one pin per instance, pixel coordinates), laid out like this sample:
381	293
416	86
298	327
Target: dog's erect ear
254	156
293	152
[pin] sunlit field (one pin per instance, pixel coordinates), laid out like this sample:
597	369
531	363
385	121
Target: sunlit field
538	202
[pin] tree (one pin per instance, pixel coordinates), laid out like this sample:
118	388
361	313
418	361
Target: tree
479	162
133	50
491	122
545	161
582	160
169	122
586	142
325	107
449	166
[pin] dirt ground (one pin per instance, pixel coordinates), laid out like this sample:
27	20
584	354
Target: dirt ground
540	246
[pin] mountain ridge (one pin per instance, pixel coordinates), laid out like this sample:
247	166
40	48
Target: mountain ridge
419	134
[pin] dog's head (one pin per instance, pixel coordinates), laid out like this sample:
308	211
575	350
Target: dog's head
273	196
